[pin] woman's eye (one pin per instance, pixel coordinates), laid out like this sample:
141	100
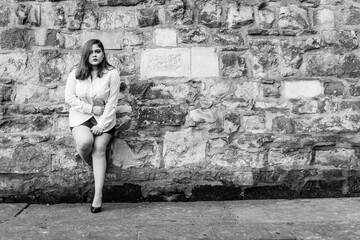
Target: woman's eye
97	51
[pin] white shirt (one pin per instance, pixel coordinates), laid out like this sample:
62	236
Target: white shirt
81	95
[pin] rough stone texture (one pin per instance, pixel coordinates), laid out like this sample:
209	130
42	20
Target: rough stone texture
219	99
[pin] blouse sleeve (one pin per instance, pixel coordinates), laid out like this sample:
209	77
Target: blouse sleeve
70	96
110	107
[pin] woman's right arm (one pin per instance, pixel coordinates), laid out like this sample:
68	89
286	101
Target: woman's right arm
70	96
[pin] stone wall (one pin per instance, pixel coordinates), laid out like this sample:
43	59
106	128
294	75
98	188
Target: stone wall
220	100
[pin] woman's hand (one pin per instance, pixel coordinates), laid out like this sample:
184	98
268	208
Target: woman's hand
96	130
98	110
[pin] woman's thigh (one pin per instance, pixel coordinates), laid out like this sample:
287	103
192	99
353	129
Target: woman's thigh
82	135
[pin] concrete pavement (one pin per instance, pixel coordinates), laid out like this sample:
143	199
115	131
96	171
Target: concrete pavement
336	218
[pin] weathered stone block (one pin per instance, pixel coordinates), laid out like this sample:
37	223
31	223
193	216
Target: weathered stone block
354	90
239	15
283	158
204	62
53	16
178	92
91	17
351	16
14	65
283	124
111	39
148	17
210	15
55	66
162	115
322	64
353	106
324	18
328	123
186	147
5	92
197	117
253	124
270	192
307	89
334	88
293	17
337	157
173	62
291	53
17	38
165	37
180	12
75	16
28	15
265	17
247	91
323	189
189	35
5	14
118	18
126	63
351	65
228	37
233	65
133	154
24	158
265	57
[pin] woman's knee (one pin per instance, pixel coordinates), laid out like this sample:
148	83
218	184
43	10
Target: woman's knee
84	145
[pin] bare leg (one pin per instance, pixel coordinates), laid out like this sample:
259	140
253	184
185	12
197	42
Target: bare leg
99	166
84	140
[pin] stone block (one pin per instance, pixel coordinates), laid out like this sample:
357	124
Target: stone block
173	62
165	37
162	115
336	157
248	91
14	65
31	93
228	37
302	89
283	124
17	38
111	39
210	15
270	192
24	158
253	124
265	57
265	17
125	156
283	158
91	17
148	17
53	16
322	64
233	65
29	15
185	147
201	116
351	65
328	123
137	38
239	15
293	17
204	62
323	189
5	13
126	63
6	91
334	89
188	35
351	16
324	18
118	18
180	12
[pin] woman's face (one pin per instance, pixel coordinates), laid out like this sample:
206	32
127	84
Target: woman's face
96	55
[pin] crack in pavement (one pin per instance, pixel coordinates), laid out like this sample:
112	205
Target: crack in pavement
21	210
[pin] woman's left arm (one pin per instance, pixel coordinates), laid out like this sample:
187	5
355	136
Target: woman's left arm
110	107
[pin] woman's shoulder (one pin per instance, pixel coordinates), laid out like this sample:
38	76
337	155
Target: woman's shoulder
113	71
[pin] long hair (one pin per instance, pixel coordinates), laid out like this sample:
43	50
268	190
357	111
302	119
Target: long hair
83	70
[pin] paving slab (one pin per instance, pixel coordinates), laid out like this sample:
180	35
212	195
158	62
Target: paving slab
308	219
8	211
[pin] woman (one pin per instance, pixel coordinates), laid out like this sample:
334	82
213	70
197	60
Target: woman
92	91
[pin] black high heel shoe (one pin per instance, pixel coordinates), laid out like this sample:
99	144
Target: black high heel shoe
95	209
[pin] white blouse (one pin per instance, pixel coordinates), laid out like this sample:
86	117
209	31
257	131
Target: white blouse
82	95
